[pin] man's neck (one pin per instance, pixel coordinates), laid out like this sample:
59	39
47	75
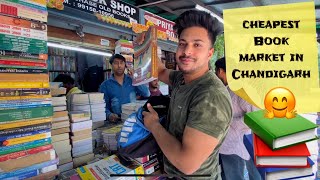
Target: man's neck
153	89
119	78
188	78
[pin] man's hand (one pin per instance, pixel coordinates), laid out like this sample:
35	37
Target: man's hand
151	118
113	117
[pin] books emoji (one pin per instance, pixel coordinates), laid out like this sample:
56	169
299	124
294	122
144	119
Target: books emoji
271	173
280	132
293	156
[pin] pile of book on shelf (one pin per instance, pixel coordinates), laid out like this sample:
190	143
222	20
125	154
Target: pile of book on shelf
61	127
26	108
110	137
81	137
278	146
92	103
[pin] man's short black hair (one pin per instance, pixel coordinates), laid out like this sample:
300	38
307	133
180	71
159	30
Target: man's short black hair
221	63
116	56
195	18
64	78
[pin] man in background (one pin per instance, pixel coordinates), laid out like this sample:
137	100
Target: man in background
233	154
69	84
118	89
154	88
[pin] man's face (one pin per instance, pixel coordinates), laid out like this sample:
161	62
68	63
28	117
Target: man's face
154	83
221	74
118	67
194	50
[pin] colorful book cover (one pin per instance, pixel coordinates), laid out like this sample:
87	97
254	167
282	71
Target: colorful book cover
24	92
16	54
26	129
23	153
294	156
25	139
24	146
283	173
145	57
24	123
105	167
22	114
5	138
277	131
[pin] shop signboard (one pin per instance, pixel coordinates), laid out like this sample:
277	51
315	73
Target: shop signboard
110	11
164	26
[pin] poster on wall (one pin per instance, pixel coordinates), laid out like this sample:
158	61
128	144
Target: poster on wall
164	26
110	11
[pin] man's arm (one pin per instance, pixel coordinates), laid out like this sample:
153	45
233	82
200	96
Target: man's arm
208	122
103	89
163	73
186	156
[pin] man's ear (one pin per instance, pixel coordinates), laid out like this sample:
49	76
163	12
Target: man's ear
211	51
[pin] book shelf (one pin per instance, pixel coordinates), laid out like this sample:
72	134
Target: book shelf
61	61
107	69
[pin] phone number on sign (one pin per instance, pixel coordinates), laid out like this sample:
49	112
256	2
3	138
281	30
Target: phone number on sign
93	9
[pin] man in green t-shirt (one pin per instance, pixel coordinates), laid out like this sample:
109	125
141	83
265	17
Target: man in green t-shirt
200	109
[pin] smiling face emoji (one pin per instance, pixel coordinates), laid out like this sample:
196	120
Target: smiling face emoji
280	102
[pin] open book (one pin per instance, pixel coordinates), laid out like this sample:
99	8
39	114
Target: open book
145	57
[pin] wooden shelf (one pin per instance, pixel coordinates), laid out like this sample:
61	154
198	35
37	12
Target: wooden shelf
62	71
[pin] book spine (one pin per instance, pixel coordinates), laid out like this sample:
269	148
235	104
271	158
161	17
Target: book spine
24	146
24	106
13	43
12	62
258	130
24	92
19	114
24	123
5	77
23	32
25	175
27	169
4	138
24	97
31	4
23	153
37	127
16	141
22	70
23	55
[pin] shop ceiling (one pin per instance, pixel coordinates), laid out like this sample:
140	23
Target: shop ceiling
171	9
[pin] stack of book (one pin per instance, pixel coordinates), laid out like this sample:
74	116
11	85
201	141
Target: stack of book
93	103
25	101
129	108
110	137
278	146
60	129
81	137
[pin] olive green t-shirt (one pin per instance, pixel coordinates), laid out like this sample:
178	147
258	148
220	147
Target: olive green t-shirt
203	104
